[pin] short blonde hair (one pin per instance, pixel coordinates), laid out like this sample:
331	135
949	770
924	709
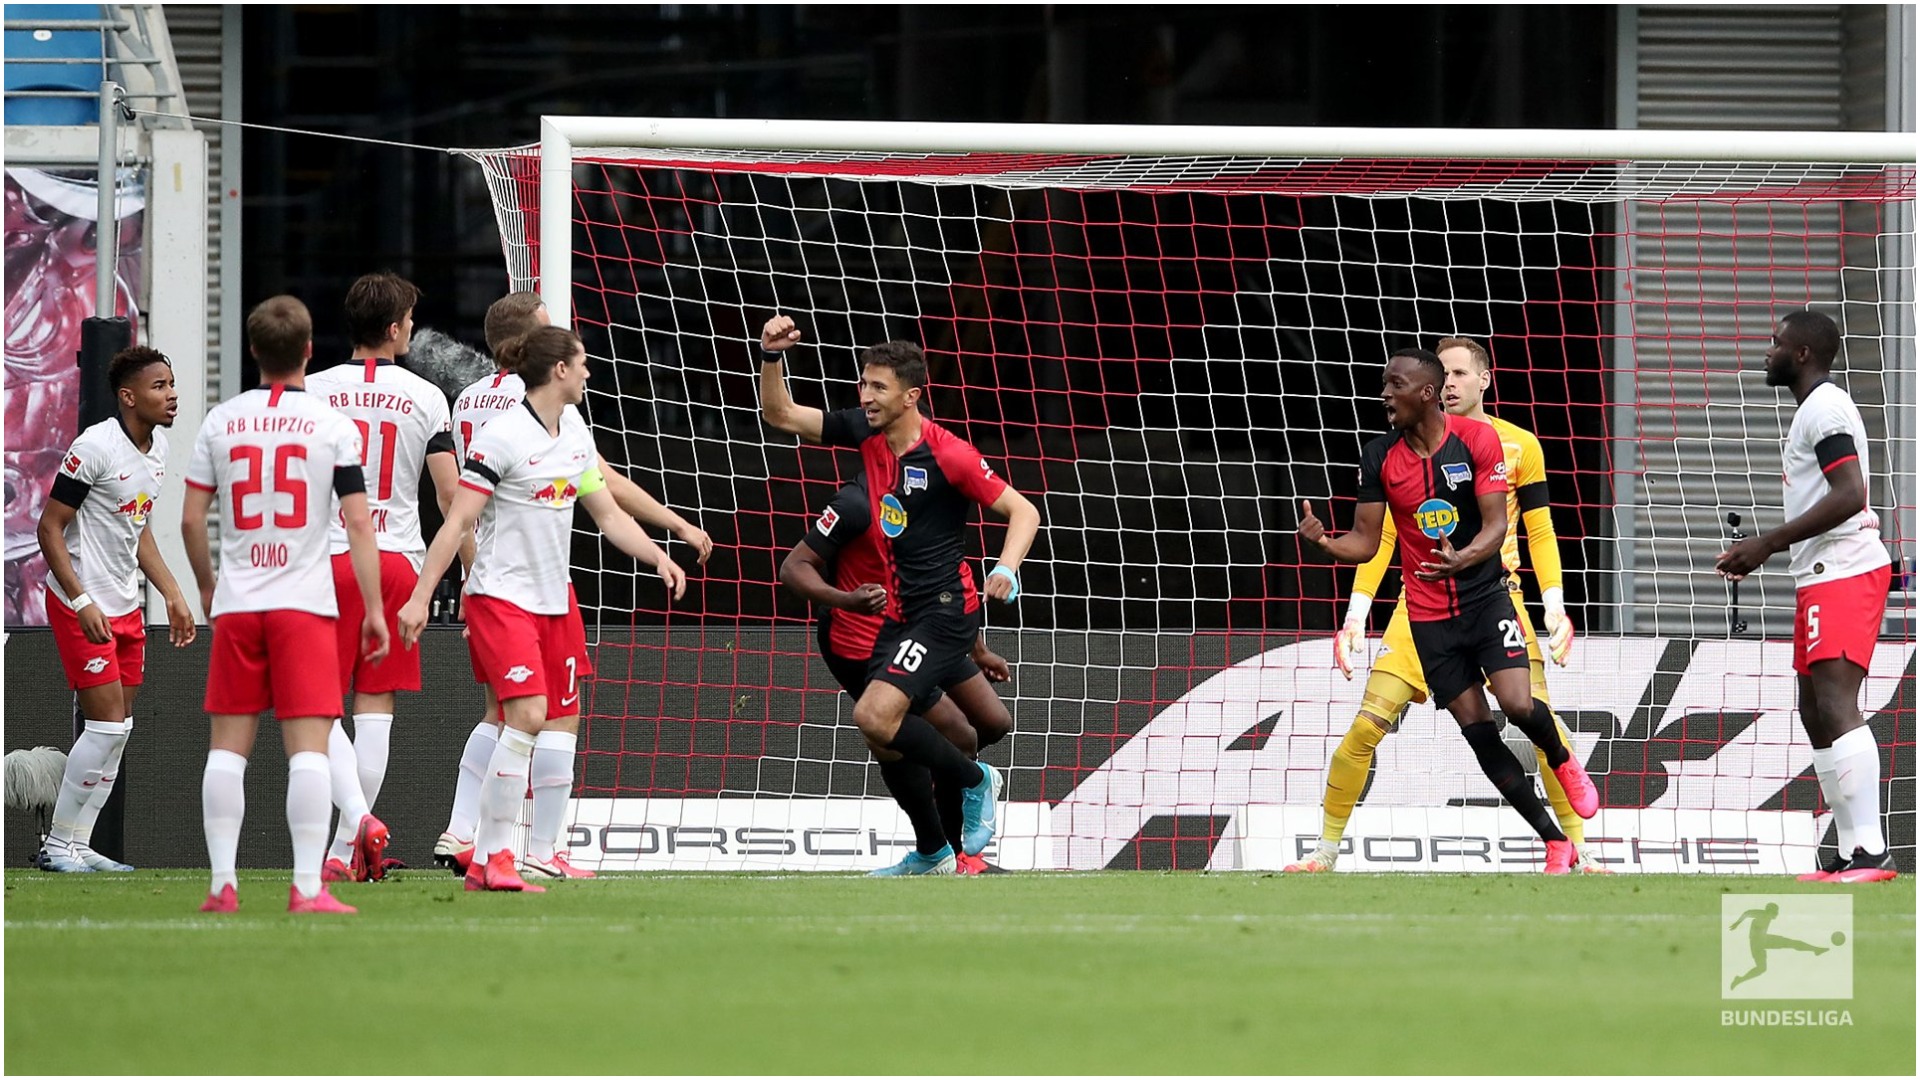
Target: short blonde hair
1478	350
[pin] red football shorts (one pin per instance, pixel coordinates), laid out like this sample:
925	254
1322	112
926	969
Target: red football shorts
401	668
279	660
123	659
519	653
1840	619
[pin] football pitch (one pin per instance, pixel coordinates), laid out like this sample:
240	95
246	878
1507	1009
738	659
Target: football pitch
1021	973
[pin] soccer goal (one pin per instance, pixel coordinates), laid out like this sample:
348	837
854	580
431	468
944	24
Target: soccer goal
1168	337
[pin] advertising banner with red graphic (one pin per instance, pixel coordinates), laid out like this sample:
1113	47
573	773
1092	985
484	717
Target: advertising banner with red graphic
50	293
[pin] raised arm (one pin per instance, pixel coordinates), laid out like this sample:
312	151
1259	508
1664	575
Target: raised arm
776	405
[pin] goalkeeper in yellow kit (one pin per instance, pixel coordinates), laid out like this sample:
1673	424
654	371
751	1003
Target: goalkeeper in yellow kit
1396	680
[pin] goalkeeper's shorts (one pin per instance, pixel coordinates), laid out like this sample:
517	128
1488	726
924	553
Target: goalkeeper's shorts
1397	656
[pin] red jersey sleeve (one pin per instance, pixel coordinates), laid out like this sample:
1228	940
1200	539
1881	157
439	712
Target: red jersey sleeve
1489	459
966	470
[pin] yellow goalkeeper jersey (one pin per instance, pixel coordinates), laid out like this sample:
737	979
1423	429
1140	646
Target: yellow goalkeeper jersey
1526	501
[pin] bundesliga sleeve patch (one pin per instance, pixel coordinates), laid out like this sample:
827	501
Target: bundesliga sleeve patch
828	519
71	466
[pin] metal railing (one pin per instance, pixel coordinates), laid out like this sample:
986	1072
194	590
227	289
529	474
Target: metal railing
127	56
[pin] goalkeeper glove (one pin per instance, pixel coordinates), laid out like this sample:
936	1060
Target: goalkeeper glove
1349	640
1559	627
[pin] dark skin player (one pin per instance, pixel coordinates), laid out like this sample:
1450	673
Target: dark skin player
1412	397
1830	696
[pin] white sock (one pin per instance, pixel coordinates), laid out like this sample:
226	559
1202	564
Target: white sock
223	803
1856	765
343	769
370	740
552	783
90	813
372	733
473	767
1830	791
307	808
501	792
86	764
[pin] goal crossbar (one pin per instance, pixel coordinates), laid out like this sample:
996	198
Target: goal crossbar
562	136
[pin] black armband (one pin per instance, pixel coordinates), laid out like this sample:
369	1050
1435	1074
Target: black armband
69	491
1532	496
1835	449
441	443
483	470
349	480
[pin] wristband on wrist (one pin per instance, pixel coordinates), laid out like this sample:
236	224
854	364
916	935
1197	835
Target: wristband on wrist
81	603
1359	607
1013	578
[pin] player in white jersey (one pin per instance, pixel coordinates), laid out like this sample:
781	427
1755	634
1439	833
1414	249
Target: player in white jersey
95	536
274	456
510	317
1841	572
404	428
519	483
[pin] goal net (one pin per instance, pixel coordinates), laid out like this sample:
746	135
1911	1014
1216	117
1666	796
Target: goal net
1167	350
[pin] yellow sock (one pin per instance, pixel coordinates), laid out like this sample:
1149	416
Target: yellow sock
1347	777
1570	823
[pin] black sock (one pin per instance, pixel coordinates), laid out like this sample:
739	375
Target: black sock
912	787
1545	734
918	741
946	799
1510	779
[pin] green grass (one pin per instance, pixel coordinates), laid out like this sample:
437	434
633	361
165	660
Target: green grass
1025	973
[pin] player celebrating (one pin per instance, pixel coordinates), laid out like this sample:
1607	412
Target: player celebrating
920	478
510	317
1396	680
95	537
271	455
841	546
1463	624
404	428
1842	572
522	475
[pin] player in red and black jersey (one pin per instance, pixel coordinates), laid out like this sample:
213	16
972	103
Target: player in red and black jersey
838	566
1440	475
920	479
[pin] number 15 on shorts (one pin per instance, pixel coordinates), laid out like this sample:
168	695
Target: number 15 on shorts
909	655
